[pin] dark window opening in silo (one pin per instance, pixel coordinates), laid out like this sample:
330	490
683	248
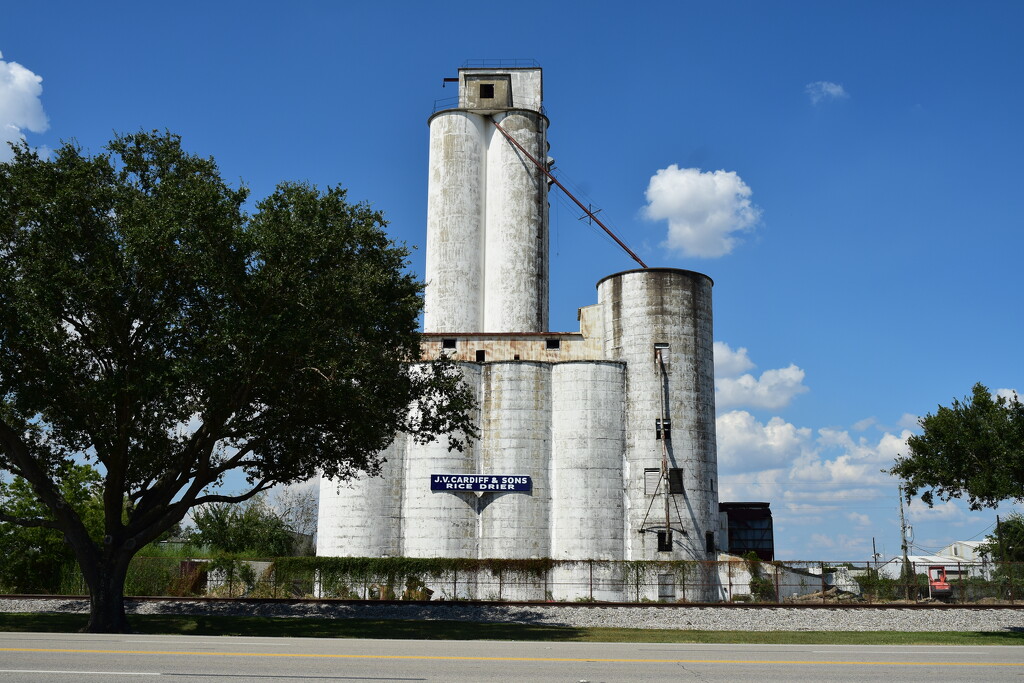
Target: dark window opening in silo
675	480
661	349
487	91
515	357
480	355
665	541
663	429
553	343
447	343
709	541
652	479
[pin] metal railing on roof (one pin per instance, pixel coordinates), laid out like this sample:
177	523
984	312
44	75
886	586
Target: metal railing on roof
455	103
500	64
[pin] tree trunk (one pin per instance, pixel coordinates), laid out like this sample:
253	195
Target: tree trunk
106	595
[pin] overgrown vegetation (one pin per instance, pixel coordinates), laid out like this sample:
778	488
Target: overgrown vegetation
182	570
762	587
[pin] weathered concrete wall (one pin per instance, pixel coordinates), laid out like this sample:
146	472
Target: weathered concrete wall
363	517
525	83
487	211
586	460
455	216
672	307
516	231
516	417
440	524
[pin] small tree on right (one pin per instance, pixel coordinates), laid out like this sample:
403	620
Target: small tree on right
1006	543
974	449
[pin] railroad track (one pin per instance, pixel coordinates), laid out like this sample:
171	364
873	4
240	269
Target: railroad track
845	605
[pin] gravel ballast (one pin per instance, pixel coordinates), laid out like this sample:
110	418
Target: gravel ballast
707	618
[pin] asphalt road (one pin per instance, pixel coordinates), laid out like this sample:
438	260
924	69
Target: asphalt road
112	659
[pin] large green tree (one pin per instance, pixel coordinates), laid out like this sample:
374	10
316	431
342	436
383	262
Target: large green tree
973	449
151	329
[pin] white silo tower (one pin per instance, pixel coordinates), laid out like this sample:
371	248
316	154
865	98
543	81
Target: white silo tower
487	209
658	320
613	425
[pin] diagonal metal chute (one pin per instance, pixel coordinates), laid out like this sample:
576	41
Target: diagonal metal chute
553	179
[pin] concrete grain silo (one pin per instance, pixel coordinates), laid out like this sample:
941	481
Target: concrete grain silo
596	444
487	210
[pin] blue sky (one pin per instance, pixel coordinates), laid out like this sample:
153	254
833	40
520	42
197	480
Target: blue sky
848	173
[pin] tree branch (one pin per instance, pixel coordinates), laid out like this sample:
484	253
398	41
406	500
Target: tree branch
35	522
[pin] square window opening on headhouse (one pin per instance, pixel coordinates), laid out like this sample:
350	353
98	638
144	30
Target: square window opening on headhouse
665	541
675	480
663	429
447	343
486	91
652	480
481	355
553	343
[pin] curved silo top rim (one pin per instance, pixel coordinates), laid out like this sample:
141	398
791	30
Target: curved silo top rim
486	113
682	271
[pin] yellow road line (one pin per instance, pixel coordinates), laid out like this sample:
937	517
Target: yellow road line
499	659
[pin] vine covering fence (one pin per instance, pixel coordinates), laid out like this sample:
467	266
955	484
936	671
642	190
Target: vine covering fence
728	580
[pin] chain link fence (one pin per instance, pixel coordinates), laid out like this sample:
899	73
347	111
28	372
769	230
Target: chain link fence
734	580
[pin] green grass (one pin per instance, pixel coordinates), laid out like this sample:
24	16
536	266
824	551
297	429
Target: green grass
459	630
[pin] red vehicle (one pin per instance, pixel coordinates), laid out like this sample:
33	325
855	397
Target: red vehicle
938	584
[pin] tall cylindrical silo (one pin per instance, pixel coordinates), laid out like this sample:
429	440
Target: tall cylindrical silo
670	409
586	460
516	235
586	477
443	523
455	217
362	517
515	430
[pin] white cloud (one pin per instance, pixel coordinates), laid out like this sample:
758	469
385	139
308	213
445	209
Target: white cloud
858	519
864	424
823	541
909	421
704	210
1008	394
20	107
947	512
729	363
821	91
745	445
774	389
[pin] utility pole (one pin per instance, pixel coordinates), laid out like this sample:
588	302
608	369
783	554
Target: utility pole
908	573
999	541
